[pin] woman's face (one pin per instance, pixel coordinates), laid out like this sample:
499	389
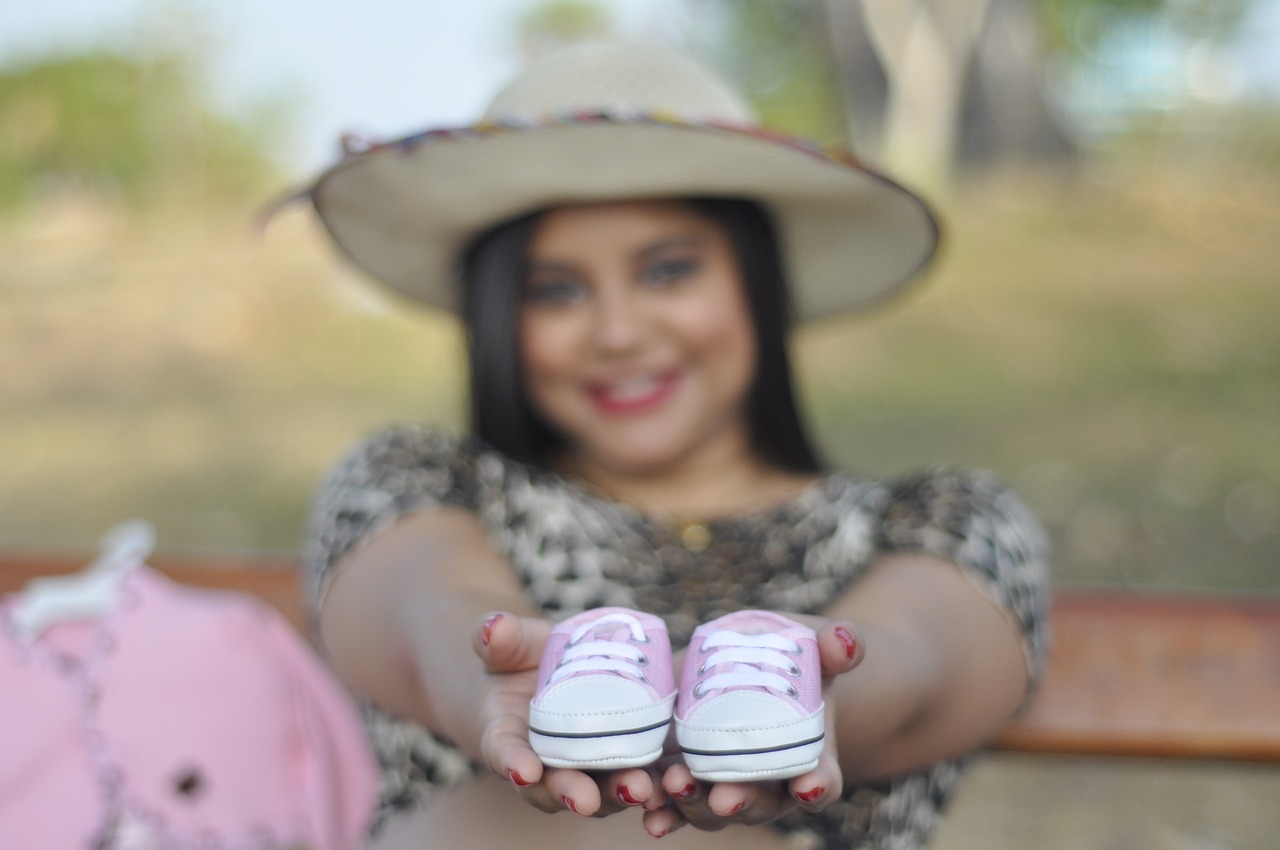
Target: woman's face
635	338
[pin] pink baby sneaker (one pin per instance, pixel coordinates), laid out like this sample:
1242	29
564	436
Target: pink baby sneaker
606	690
750	705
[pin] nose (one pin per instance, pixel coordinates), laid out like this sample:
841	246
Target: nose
619	322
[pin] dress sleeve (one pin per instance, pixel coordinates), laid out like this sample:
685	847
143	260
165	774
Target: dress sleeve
389	474
975	521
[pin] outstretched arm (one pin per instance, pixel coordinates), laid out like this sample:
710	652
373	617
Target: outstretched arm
935	670
944	671
398	617
403	622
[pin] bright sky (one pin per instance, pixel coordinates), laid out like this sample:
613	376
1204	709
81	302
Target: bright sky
382	67
386	67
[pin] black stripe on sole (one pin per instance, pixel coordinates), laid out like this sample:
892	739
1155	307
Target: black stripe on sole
613	734
754	752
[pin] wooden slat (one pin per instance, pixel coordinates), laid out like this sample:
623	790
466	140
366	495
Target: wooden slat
1130	674
1169	675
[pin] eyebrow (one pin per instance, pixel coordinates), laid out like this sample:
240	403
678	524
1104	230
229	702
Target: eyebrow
691	241
669	243
545	266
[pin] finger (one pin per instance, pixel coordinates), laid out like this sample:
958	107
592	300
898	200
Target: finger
820	787
679	785
561	789
731	799
690	799
541	799
507	643
817	789
542	795
506	749
663	821
630	788
840	648
577	792
658	797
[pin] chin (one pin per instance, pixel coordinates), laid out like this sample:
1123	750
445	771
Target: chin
638	459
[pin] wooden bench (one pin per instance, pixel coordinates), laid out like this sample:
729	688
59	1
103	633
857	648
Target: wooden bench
1131	674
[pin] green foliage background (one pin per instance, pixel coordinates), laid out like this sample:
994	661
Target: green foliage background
1103	336
137	130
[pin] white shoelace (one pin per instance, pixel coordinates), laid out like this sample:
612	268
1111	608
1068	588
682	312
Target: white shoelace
603	654
750	654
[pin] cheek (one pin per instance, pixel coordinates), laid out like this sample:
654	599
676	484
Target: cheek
544	350
740	357
723	333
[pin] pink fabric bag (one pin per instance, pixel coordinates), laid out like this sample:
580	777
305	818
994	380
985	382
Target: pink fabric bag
180	718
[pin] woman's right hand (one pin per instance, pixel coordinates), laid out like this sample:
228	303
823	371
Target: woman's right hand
511	649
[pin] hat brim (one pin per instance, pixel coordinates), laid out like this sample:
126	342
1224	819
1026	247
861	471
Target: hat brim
402	211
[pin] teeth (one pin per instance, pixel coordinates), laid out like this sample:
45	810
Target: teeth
632	388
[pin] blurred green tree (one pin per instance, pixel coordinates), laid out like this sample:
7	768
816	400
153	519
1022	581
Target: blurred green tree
137	131
1076	26
921	79
888	77
552	24
779	53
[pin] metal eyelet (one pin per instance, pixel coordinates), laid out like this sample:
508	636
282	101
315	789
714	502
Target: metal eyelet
792	692
698	693
643	660
794	670
797	651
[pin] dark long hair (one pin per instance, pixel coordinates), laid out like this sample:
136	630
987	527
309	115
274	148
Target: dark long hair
492	270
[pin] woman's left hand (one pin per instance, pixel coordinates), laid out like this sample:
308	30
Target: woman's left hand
510	648
713	806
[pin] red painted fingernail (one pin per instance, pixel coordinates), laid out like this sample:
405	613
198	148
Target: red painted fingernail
846	637
570	805
660	834
732	811
624	794
812	795
486	631
686	792
517	778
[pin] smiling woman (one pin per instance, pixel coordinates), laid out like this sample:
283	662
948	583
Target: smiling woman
635	338
639	346
733	232
617	226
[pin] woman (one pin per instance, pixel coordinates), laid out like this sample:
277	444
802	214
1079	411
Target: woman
618	226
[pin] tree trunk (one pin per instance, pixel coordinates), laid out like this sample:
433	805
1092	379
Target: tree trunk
926	47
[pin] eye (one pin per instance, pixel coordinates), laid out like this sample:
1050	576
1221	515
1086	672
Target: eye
672	270
553	292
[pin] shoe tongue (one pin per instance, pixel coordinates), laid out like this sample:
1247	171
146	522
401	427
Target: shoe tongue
756	625
610	631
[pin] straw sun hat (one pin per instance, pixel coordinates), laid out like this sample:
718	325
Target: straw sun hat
610	122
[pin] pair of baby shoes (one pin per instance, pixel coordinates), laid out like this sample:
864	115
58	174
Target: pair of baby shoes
749	705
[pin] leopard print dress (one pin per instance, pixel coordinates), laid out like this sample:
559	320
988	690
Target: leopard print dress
573	550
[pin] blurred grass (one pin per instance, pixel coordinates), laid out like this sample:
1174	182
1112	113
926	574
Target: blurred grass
1107	342
1109	347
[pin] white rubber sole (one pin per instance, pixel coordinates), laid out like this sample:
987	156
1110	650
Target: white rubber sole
618	750
600	740
754	754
